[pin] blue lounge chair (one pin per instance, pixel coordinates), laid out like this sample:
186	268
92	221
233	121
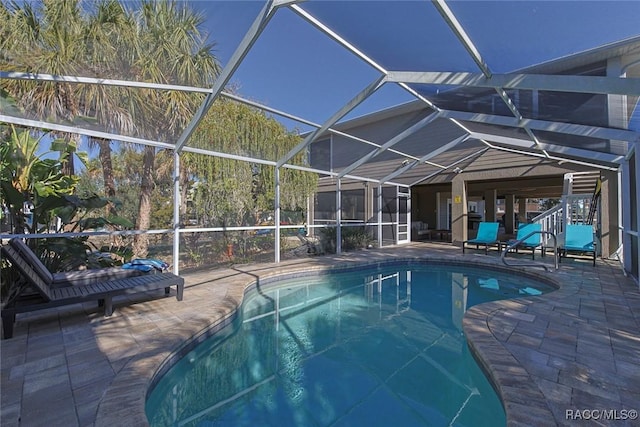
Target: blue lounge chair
578	239
487	235
532	242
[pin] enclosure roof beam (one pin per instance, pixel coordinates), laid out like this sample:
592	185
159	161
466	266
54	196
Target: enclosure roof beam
462	35
316	125
551	157
41	77
335	36
364	94
553	83
160	86
227	72
465	158
548	126
36	124
576	153
424	158
133	140
396	139
436	78
459	31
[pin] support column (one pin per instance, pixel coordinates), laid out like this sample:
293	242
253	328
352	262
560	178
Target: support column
490	200
509	223
635	193
311	214
379	215
609	210
369	214
617	104
276	233
617	107
176	212
626	216
459	232
338	217
610	207
522	210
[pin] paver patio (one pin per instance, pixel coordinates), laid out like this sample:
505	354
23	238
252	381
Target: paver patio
577	348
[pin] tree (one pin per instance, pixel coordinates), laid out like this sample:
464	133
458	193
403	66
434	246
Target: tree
231	192
158	42
48	37
168	48
127	175
58	37
109	33
37	191
32	184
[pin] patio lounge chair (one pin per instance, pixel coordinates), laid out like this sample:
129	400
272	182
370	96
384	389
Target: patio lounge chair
487	235
578	239
532	242
101	286
69	278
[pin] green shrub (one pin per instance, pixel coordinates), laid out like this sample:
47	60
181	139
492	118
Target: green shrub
353	238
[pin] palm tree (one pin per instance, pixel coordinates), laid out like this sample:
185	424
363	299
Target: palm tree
45	40
62	38
48	39
169	48
160	42
109	33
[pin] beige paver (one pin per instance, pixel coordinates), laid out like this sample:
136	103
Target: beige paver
577	348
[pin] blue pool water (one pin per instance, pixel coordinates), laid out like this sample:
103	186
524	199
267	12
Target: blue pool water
363	348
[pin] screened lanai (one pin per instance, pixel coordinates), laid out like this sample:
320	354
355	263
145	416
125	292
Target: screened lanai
385	95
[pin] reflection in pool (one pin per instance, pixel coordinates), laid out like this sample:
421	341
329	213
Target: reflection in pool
361	348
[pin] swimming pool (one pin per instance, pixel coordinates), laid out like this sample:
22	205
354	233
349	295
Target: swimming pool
367	347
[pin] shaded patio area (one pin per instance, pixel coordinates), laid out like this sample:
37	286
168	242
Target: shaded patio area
573	349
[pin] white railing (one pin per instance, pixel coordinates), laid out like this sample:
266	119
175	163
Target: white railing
576	207
551	221
573	208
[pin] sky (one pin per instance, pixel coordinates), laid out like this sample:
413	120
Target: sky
295	68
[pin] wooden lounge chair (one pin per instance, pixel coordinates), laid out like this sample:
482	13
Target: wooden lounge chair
487	235
532	242
69	278
578	239
50	293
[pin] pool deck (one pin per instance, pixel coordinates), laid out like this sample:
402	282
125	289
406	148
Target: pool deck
577	348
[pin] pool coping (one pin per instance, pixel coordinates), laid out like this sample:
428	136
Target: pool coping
579	345
126	396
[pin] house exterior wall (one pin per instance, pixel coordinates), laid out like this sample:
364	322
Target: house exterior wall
430	201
